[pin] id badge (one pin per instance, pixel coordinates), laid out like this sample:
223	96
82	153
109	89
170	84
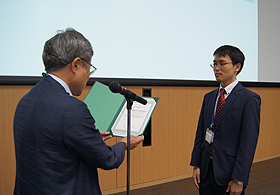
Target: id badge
209	136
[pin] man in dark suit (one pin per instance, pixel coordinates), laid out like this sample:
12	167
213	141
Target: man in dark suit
225	145
58	148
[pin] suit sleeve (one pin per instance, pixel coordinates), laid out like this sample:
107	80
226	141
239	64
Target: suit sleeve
199	139
85	141
248	138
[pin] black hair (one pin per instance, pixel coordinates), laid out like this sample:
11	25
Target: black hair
233	52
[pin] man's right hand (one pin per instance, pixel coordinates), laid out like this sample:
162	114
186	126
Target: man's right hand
196	176
134	141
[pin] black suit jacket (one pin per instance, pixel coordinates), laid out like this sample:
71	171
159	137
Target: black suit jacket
235	136
58	148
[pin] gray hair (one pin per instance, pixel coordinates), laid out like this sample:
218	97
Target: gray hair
64	47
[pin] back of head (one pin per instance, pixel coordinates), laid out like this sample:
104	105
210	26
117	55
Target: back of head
64	47
233	52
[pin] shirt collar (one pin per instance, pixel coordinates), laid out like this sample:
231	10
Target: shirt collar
62	83
230	87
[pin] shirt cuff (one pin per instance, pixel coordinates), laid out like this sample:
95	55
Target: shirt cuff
239	182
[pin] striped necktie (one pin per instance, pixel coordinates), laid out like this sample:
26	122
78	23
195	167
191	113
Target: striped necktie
220	104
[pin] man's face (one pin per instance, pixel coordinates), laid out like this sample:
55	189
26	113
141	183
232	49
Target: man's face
225	72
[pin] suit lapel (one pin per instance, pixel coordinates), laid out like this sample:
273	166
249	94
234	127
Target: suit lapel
210	106
229	101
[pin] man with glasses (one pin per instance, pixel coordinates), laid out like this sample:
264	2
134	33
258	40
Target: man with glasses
58	148
227	131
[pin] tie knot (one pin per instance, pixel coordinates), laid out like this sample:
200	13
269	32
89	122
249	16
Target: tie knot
223	91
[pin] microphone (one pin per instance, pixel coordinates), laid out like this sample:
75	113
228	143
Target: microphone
115	87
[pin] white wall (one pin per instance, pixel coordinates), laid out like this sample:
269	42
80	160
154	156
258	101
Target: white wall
145	39
269	40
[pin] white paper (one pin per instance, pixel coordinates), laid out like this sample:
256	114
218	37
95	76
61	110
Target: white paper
140	115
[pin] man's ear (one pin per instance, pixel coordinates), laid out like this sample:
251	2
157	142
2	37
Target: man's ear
237	67
75	64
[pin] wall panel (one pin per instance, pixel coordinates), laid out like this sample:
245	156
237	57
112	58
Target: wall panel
173	130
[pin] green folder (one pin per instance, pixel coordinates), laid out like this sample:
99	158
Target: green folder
105	107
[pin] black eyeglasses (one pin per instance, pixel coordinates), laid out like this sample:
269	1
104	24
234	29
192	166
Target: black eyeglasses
219	64
92	68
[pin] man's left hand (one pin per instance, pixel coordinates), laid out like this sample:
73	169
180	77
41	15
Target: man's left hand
234	188
105	135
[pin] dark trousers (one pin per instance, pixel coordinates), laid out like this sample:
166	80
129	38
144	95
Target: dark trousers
208	186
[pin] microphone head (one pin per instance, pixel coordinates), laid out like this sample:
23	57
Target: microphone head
115	87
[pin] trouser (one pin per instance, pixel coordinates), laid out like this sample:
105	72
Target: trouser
208	186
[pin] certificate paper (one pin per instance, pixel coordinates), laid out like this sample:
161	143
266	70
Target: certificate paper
140	116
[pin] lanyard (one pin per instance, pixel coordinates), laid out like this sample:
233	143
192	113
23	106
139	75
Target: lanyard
213	119
46	74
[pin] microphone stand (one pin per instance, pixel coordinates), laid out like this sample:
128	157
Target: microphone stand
129	105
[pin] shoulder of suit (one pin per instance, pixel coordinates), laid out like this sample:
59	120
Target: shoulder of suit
246	91
55	84
215	91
